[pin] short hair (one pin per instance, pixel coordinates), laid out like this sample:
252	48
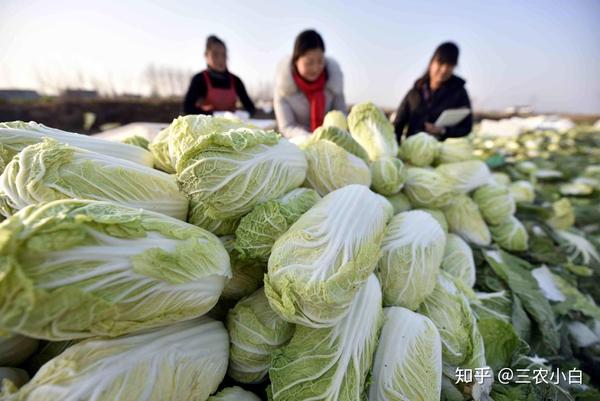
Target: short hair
307	40
213	41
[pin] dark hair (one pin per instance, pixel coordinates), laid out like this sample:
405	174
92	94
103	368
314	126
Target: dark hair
305	41
212	41
446	53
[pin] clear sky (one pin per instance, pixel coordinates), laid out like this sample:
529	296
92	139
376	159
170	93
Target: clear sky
540	52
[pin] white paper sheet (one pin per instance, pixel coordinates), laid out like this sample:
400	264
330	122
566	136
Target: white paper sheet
452	117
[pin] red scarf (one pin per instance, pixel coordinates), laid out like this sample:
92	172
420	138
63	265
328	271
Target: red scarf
315	93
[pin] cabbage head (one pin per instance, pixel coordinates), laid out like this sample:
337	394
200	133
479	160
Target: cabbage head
153	365
50	170
399	202
522	191
579	187
501	179
427	188
454	150
331	167
449	309
495	203
186	133
16	135
563	216
137	140
420	150
466	176
317	266
458	260
335	118
388	175
246	275
438	215
592	171
259	229
372	130
160	150
412	251
408	360
342	138
464	219
231	172
73	269
256	331
234	393
526	167
331	364
510	235
198	217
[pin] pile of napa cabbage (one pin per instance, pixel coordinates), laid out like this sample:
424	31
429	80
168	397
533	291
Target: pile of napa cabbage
222	262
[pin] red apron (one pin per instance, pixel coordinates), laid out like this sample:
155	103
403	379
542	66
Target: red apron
218	99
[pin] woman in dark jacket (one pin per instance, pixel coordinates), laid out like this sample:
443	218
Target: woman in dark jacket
216	89
437	90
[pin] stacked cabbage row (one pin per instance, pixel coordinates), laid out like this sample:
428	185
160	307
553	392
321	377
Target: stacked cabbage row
555	178
97	258
344	268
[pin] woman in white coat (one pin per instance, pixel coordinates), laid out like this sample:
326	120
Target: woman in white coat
308	85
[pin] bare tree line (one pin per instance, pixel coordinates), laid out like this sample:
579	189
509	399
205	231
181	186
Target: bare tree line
261	91
165	81
155	81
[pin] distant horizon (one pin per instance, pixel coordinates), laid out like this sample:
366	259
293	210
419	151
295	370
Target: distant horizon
500	112
512	53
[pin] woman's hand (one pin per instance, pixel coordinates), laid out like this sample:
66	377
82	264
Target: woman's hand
433	129
204	106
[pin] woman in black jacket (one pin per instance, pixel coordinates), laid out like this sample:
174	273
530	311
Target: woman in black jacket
437	90
216	89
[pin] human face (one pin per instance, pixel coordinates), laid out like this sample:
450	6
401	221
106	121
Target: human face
311	64
216	58
439	73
